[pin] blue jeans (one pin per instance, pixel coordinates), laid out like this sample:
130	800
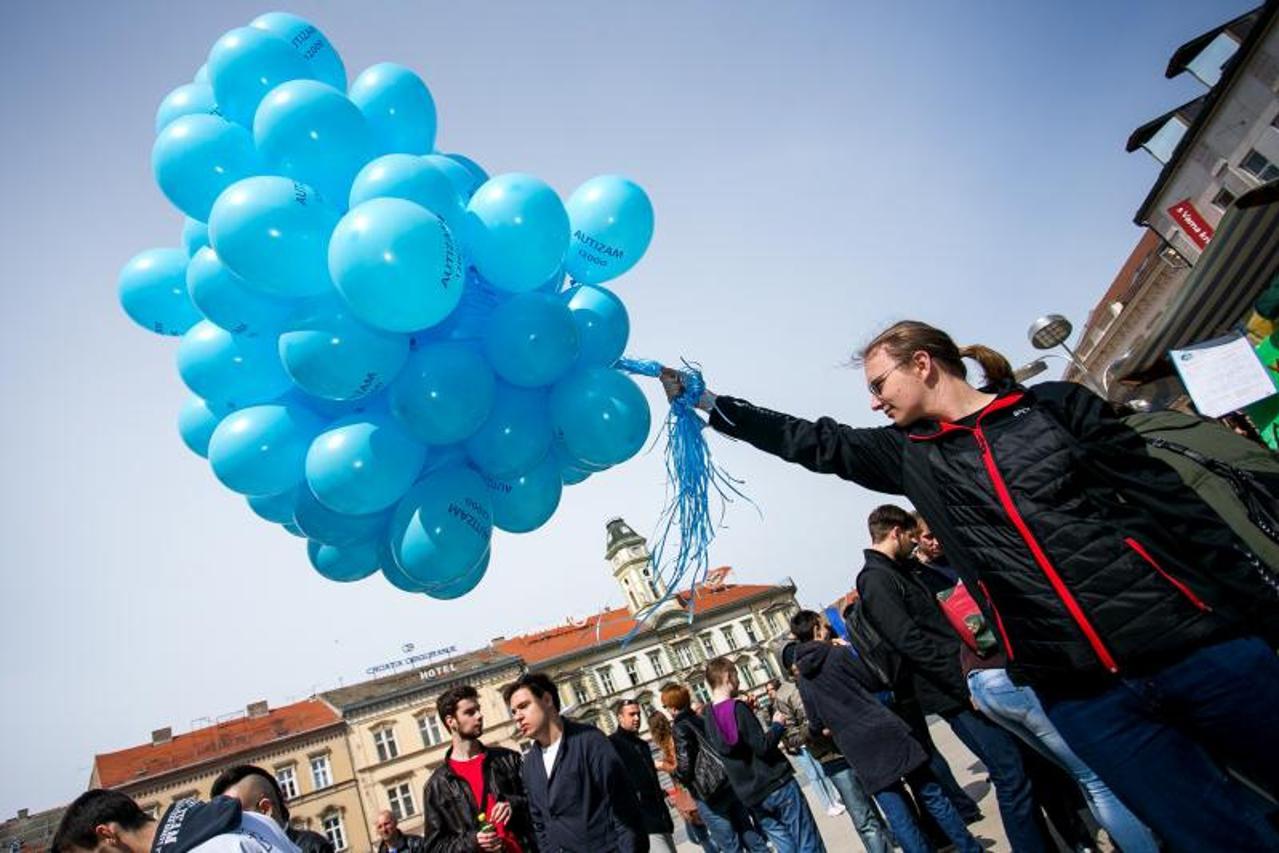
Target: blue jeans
700	835
1149	739
861	810
901	816
998	750
1019	711
815	774
731	826
787	821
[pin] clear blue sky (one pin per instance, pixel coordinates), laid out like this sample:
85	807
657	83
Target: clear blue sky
819	169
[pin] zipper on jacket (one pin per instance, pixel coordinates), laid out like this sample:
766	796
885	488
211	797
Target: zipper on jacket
999	620
1181	587
1041	559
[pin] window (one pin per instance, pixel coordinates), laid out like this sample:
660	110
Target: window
684	654
429	726
744	669
1255	164
1223	198
288	781
606	680
384	740
656	662
580	696
334	831
701	693
748	626
708	645
771	618
767	666
400	798
320	775
730	639
632	672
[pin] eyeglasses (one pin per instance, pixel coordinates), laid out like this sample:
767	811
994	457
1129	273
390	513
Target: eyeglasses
876	385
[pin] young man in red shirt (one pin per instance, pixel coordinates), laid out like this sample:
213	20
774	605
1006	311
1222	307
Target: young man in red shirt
476	798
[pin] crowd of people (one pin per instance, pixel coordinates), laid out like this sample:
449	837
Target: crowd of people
1094	623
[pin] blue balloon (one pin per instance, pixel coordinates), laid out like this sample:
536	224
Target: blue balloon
442	527
322	524
229	370
397	577
343	564
444	393
292	529
396	264
196	157
274	233
196	422
399	108
153	292
307	40
464	180
195	236
470	319
245	64
261	450
516	232
526	502
330	354
228	302
516	435
612	222
275	508
476	170
201	74
531	340
309	131
601	415
363	464
464	584
603	326
187	99
411	178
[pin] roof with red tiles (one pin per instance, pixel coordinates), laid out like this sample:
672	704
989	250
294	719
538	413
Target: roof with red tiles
112	769
611	626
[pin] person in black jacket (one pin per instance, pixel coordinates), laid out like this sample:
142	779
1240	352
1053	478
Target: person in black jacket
637	758
1119	595
903	607
580	798
259	791
730	823
760	775
475	799
873	739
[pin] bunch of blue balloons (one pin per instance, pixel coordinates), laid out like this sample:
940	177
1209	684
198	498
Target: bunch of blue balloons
391	353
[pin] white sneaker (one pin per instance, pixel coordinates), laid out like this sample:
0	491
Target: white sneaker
836	810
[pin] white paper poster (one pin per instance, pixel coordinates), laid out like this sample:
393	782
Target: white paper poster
1222	375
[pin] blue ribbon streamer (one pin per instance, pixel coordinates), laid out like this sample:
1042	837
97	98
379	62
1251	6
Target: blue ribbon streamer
686	523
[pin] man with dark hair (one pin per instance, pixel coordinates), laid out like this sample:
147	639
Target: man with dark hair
758	772
391	839
637	758
903	608
100	821
475	799
258	791
579	795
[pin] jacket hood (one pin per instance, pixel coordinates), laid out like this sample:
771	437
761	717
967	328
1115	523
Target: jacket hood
811	657
189	823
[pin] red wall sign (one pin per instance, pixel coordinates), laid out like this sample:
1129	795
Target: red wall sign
1191	221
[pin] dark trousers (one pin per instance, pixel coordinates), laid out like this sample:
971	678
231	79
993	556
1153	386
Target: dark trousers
1149	739
1000	752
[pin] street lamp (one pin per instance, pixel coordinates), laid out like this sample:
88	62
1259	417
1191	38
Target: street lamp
1053	330
1030	370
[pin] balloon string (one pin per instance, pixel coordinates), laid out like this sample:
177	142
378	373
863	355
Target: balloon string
687	525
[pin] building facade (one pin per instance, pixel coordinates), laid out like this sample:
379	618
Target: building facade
395	737
304	745
597	662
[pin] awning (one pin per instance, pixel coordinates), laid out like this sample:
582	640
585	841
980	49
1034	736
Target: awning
1239	263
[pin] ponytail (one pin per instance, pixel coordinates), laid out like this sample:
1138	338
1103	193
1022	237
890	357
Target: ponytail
996	368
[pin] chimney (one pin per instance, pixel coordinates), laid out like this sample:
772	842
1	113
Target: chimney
163	735
496	640
23	814
257	709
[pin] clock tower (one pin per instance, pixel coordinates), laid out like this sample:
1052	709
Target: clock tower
627	552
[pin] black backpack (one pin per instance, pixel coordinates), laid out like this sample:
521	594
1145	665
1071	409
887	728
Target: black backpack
880	658
709	776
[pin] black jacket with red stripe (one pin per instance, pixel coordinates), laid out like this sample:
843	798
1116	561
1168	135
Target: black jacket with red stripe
1094	558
